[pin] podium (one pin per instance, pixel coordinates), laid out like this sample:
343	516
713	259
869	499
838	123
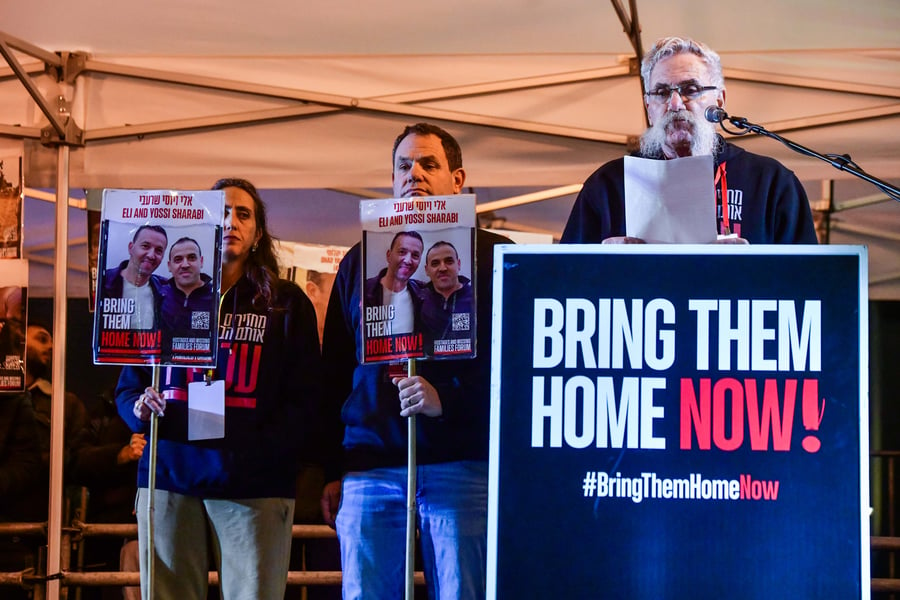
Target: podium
679	422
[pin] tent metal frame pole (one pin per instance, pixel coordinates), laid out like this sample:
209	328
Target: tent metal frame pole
523	199
406	110
340	100
632	28
400	104
812	83
837	118
35	94
861	201
58	398
844	227
62	128
50	58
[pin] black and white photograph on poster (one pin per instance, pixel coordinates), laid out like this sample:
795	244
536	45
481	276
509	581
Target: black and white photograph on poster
159	277
13	308
419	272
11	201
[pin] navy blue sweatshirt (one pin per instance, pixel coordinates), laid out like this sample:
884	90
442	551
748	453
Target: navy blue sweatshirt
766	202
363	403
269	360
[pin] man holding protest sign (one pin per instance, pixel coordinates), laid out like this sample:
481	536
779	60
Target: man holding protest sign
373	403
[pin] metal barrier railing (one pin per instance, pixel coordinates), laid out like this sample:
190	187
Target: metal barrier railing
79	530
883	480
889	544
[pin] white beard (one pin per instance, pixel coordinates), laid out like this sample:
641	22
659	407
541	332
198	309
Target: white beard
703	139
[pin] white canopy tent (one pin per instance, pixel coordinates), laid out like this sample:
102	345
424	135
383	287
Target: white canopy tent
305	99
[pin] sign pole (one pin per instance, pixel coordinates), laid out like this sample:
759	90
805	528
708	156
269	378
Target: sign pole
411	495
151	485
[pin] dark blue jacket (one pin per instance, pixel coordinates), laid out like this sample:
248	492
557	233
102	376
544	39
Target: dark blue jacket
363	403
766	202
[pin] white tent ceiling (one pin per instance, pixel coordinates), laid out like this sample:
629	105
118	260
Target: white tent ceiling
307	97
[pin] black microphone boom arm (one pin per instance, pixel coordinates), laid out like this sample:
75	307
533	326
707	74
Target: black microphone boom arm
841	162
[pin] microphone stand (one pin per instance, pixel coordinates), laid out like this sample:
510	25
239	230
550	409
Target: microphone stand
842	162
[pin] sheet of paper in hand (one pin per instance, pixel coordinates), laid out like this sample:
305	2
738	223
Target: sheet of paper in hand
670	201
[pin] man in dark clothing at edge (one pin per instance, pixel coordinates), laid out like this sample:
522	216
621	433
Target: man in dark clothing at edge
758	200
453	396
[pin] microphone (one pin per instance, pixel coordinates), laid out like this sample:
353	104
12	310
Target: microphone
714	114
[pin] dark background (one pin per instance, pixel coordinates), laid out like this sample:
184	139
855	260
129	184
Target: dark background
83	378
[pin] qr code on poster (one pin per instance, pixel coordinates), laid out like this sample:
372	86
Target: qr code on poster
460	322
200	319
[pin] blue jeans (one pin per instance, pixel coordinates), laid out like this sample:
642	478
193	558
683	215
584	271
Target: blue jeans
451	500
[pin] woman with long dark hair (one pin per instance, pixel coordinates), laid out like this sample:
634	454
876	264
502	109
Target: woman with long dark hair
237	490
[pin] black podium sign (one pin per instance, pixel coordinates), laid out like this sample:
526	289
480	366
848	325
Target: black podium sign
679	422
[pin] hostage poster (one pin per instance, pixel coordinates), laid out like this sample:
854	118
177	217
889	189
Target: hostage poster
418	278
12	197
679	422
13	312
313	268
159	268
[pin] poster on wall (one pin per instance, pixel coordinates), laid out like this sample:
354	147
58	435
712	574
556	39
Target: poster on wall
313	268
159	277
13	313
418	278
12	189
94	200
679	421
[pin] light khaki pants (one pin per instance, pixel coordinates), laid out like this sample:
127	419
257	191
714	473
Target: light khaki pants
251	540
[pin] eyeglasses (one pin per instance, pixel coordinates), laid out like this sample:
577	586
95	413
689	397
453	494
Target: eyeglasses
687	91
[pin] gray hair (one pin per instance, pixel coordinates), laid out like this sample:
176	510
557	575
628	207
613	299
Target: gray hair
668	47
